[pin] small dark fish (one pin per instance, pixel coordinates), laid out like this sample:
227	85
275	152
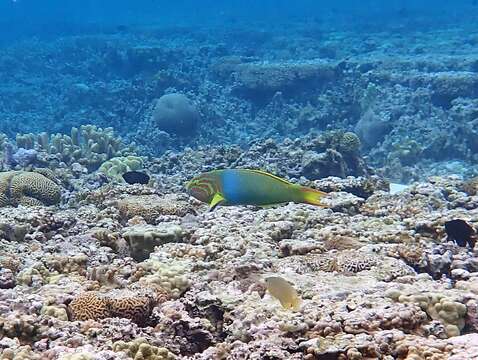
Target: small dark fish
460	232
136	177
122	28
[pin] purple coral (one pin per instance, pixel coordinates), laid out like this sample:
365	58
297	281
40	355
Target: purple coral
24	157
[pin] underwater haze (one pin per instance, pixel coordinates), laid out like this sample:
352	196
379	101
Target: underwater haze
347	65
240	179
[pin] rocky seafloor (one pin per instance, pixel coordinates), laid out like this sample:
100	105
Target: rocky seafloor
117	271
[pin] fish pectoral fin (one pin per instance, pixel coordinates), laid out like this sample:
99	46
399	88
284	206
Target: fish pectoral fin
285	304
216	200
296	305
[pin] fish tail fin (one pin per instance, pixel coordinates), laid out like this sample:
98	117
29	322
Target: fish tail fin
312	196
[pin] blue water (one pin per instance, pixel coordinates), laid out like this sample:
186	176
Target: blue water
38	18
68	63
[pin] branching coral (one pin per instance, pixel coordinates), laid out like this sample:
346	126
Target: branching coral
89	145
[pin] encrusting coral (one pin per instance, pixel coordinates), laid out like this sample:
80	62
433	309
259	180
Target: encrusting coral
140	349
28	189
172	276
439	307
21	353
55	311
150	207
143	238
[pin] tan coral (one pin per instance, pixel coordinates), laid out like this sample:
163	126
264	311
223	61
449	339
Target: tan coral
130	305
139	349
115	167
78	356
21	353
28	189
111	239
171	276
22	326
55	311
89	306
67	264
135	305
150	207
439	307
349	143
31	187
142	239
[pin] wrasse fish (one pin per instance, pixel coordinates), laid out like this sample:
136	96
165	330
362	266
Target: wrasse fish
249	187
280	289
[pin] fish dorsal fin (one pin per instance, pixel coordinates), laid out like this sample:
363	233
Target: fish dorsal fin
270	175
216	200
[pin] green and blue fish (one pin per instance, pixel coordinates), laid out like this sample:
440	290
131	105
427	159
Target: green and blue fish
249	187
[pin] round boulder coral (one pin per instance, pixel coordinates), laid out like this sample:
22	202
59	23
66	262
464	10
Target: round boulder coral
175	113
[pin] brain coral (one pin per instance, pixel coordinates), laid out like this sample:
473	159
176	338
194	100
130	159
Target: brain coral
174	113
28	189
123	303
88	306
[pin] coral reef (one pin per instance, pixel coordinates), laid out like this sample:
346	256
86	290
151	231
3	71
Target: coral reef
374	272
350	105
